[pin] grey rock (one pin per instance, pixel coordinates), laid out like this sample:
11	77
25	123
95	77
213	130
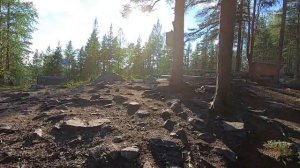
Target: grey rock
7	129
169	125
176	107
100	153
142	113
95	97
108	105
120	99
183	115
196	123
165	115
233	126
117	139
133	107
130	153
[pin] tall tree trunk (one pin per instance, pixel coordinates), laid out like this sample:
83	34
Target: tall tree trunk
1	43
239	43
8	38
248	35
281	38
227	24
252	39
297	57
178	48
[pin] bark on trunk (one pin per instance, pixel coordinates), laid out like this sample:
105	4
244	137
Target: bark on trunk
252	39
178	48
297	57
227	24
281	38
239	42
248	37
8	39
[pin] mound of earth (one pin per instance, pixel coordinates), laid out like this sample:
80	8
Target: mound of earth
110	77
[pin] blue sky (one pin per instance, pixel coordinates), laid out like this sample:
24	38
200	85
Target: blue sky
64	20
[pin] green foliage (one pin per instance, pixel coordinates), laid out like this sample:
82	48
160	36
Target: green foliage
71	64
52	64
92	49
16	26
284	150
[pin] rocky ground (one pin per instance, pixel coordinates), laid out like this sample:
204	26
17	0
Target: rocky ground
145	125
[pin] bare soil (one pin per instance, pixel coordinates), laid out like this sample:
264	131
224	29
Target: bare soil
91	126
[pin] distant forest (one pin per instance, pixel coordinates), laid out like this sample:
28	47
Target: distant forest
258	36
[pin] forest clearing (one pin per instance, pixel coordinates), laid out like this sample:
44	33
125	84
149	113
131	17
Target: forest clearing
222	90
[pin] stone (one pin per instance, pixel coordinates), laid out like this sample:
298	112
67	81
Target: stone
117	90
166	152
176	107
76	124
95	97
196	123
117	139
233	126
119	99
227	153
141	124
38	132
130	153
169	125
133	107
108	105
165	115
181	135
183	115
142	113
101	152
205	136
7	129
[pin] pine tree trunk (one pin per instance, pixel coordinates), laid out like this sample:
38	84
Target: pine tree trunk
239	43
297	57
248	37
281	38
8	39
226	35
252	39
1	44
178	48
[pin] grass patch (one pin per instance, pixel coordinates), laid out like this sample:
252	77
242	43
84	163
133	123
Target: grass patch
282	151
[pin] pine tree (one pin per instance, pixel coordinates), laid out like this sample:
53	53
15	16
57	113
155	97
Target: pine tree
93	62
70	54
16	26
81	62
